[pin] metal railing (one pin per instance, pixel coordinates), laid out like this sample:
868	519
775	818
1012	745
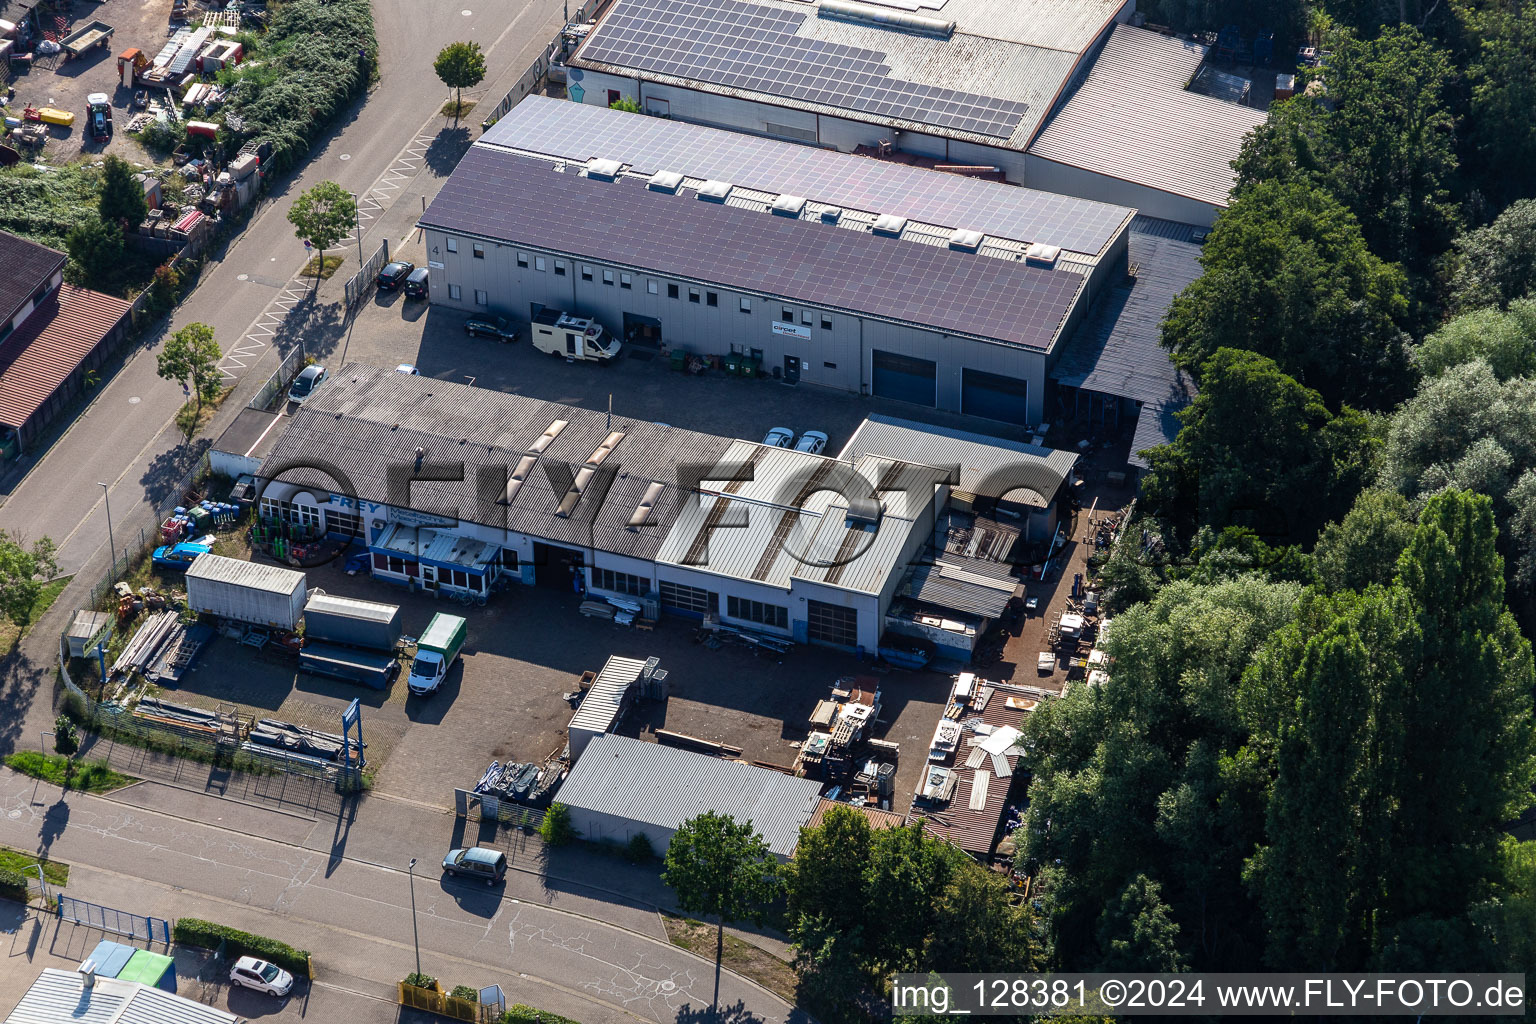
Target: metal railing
361	284
118	922
278	382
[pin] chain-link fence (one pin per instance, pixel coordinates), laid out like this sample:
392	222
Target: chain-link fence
360	284
275	385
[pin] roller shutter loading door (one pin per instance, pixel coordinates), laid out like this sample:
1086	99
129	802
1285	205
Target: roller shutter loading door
832	624
905	379
994	396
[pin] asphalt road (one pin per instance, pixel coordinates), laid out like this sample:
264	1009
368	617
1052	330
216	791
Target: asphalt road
126	438
356	916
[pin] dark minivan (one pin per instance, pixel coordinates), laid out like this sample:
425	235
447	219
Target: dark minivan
477	862
416	284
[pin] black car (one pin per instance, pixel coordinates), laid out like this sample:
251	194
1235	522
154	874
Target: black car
495	326
416	284
394	274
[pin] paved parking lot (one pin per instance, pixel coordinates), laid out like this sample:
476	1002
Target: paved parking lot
528	647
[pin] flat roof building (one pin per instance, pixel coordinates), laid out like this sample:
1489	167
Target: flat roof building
835	270
1102	109
70	997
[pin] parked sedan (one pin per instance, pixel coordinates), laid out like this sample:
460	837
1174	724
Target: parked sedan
394	274
495	326
305	383
780	437
812	441
260	976
179	556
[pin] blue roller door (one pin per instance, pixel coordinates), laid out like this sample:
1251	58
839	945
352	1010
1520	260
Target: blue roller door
904	378
994	396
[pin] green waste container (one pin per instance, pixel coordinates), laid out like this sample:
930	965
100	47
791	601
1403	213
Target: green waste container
751	367
679	360
733	363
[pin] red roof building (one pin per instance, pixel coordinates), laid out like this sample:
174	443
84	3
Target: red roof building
58	334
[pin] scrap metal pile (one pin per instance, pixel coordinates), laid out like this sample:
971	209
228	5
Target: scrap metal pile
162	649
524	782
271	735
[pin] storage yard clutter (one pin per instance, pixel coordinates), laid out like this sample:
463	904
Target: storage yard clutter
315	59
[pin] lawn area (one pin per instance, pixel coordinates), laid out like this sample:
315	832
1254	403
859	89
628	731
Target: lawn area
15	860
742	957
85	776
10	633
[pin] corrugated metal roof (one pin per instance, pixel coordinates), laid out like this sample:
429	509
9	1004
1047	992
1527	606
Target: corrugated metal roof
502	197
1133	119
950	586
60	997
273	579
1119	351
42	353
1158	424
600	707
988	466
1018	50
367	419
877	817
28	266
664	786
334	604
436	545
976	831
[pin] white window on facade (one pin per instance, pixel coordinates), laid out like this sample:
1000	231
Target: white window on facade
481	298
626	281
452	244
479	250
455	292
607	277
746	305
522	260
538	263
586	272
650	286
560	267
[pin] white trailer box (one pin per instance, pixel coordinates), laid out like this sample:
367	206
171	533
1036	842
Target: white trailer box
260	595
604	703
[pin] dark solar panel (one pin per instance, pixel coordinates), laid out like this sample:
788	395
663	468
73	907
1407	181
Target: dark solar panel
648	144
519	200
748	46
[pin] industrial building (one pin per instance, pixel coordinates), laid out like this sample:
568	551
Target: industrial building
1066	97
455	488
71	997
868	276
623	787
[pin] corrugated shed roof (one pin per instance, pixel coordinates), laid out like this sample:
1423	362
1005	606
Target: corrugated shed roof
976	831
60	997
367	419
664	786
28	266
1133	119
503	197
273	579
763	169
989	466
1018	50
877	817
1119	350
42	353
600	707
1158	424
950	586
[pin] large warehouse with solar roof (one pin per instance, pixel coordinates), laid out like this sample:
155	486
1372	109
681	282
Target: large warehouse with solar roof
1056	94
862	275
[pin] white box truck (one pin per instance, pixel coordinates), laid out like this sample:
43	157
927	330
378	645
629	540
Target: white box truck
575	338
436	652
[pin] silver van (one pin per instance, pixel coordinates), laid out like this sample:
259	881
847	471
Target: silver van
477	862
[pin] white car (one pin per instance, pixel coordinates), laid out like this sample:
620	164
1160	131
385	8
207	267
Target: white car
305	383
407	368
812	441
779	437
260	976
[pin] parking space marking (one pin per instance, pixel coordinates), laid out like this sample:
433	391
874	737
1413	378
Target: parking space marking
372	203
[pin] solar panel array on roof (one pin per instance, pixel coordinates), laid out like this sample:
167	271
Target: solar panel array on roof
648	144
514	199
753	47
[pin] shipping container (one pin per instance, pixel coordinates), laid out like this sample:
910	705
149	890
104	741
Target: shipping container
344	620
259	595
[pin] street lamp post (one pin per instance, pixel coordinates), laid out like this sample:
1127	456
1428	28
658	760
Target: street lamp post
415	935
111	542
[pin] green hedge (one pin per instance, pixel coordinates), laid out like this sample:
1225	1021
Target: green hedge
190	931
521	1014
13	885
317	56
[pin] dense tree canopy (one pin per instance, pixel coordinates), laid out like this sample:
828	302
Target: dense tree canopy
1496	264
1362	549
1505	340
1288	276
1253	441
1501	115
122	197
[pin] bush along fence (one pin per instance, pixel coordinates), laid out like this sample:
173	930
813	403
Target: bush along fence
420	992
233	943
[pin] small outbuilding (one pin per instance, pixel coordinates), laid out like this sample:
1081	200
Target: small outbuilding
605	702
70	997
624	787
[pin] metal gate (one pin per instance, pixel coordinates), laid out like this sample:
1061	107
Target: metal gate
118	922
